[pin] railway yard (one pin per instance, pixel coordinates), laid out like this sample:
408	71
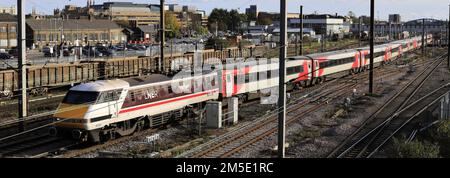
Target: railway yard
224	88
325	120
228	85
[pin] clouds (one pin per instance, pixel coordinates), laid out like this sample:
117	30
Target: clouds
409	9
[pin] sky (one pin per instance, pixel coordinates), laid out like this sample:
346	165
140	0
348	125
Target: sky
408	9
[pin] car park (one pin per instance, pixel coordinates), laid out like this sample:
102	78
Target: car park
5	56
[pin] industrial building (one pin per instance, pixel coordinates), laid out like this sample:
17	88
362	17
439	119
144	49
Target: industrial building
322	23
414	26
8	10
130	14
8	31
68	31
146	33
395	18
134	18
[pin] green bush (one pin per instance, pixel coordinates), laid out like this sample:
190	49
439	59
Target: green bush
443	129
218	42
414	149
307	133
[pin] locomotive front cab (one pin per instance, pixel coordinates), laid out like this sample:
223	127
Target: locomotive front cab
86	108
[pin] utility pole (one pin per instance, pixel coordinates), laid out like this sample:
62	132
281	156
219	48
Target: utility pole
162	34
281	83
401	32
301	30
322	42
296	44
423	36
390	31
23	108
359	29
372	36
448	38
62	39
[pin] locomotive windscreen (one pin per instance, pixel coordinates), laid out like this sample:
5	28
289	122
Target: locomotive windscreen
80	97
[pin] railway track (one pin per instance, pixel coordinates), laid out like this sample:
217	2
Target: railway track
35	146
384	73
240	140
381	125
397	122
41	146
243	137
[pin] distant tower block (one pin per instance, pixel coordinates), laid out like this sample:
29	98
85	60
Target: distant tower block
89	3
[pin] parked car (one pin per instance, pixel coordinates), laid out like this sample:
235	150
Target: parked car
5	56
14	52
104	50
131	48
46	49
91	51
66	51
47	52
119	48
138	47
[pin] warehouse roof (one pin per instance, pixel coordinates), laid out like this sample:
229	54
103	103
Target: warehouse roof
124	4
8	18
148	28
72	24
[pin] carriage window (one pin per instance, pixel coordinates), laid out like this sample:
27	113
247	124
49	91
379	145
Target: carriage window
290	70
131	96
169	89
294	70
213	81
109	96
196	84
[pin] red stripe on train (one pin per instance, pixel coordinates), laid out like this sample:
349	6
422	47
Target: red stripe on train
166	101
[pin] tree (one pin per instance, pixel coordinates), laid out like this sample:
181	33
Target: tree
217	43
223	20
235	20
251	17
264	21
202	30
219	18
173	27
352	15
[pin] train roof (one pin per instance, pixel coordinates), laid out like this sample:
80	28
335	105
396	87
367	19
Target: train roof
381	47
101	85
154	78
329	53
401	41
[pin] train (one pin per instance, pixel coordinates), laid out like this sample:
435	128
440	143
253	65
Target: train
106	109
